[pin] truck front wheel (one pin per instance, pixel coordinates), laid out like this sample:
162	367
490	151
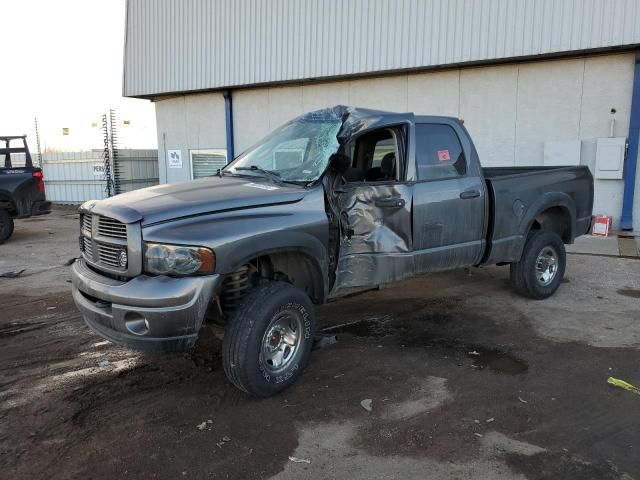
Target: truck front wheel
540	270
268	339
6	225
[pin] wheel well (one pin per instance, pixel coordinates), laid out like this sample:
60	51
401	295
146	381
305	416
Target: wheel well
554	219
296	268
7	203
301	271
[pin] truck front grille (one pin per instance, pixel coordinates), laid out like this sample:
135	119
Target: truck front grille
109	227
110	255
104	243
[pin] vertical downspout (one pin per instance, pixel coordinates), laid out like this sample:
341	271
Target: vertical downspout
626	222
228	114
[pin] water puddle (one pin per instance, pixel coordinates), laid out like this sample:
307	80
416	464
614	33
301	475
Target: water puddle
498	361
369	328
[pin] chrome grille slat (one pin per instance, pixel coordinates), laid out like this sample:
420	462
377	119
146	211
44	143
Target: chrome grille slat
109	248
86	222
88	248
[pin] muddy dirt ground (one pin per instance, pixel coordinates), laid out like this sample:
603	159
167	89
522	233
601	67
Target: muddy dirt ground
466	380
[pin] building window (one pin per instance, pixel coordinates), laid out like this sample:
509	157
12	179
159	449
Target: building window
289	154
438	152
205	163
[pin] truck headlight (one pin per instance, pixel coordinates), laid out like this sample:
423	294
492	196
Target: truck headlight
162	259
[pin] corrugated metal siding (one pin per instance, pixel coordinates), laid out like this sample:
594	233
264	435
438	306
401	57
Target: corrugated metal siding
69	176
186	45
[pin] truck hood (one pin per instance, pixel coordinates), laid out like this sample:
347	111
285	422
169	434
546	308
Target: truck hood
208	195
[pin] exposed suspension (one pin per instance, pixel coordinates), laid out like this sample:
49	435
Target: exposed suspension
235	286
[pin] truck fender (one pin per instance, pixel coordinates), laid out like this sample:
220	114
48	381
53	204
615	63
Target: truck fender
6	201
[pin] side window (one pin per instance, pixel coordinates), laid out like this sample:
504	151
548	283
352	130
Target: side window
374	157
439	153
382	148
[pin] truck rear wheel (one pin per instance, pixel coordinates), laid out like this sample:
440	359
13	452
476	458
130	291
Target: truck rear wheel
540	270
6	225
268	339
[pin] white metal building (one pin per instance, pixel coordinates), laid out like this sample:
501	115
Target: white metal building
536	81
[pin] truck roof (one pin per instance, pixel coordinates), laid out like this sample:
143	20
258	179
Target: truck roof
367	113
357	119
11	137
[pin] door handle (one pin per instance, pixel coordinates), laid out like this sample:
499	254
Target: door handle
390	202
470	194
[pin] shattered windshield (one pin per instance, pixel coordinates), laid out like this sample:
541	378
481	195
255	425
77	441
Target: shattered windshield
296	152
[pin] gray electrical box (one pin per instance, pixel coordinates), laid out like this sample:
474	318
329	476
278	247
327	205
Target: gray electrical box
610	157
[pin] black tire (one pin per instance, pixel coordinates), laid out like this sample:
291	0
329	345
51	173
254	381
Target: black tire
6	225
244	346
526	279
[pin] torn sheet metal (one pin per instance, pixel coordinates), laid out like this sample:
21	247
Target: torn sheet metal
375	229
356	120
375	239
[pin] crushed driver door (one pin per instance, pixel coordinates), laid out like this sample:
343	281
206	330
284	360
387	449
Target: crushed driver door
374	206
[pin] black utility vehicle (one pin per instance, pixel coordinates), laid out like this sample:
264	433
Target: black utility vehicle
21	188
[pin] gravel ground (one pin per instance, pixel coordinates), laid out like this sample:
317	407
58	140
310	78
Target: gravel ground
466	380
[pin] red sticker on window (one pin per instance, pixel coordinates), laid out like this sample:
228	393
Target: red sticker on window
443	155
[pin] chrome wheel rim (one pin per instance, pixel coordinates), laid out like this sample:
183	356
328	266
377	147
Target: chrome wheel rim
546	266
281	341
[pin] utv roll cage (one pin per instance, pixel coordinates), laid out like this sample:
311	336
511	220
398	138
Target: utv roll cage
7	150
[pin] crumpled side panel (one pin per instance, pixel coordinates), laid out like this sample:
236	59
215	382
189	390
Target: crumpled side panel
371	270
375	229
375	243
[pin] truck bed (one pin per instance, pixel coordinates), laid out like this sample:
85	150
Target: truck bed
517	193
21	193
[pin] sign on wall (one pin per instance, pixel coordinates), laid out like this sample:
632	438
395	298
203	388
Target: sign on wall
98	169
174	158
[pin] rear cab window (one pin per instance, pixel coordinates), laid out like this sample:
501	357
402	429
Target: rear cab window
439	153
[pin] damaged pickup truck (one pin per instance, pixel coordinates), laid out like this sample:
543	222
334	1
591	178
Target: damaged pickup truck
336	199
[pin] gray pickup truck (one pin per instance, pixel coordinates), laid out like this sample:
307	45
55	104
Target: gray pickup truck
336	199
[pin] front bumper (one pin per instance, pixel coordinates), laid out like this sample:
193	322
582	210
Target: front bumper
145	312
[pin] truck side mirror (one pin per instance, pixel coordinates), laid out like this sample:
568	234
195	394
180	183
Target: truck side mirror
339	162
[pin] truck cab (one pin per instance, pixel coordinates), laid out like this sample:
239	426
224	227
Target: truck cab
412	182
